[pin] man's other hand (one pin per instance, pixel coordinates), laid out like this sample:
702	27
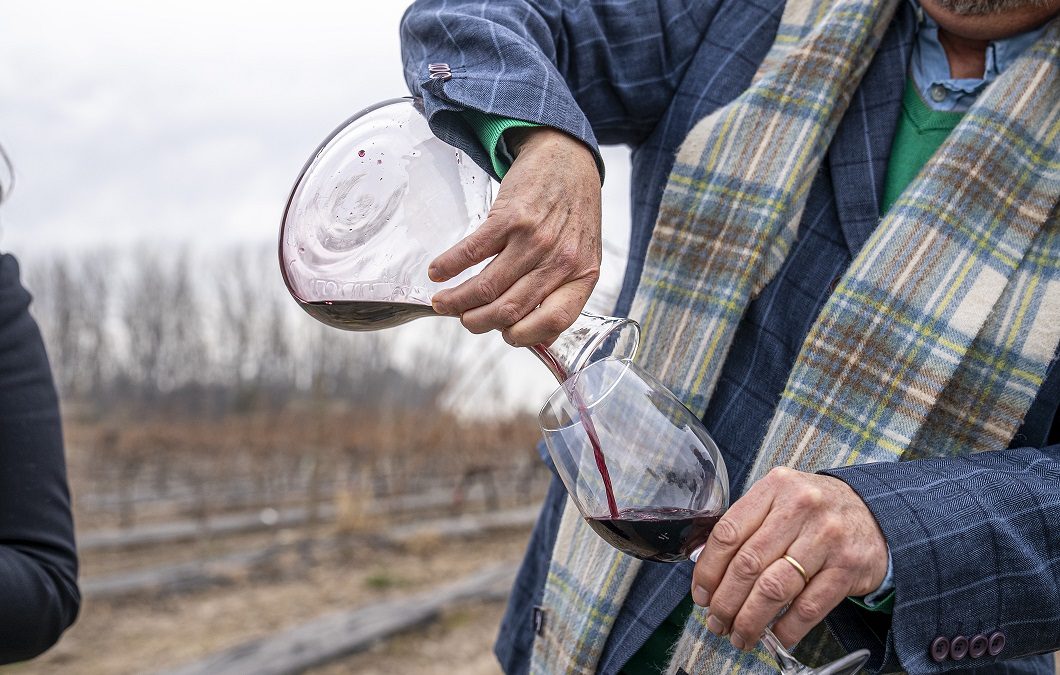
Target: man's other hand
544	229
819	521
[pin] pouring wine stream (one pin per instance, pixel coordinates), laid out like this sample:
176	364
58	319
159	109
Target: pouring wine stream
571	388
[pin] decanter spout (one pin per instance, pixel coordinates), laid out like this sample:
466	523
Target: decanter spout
592	337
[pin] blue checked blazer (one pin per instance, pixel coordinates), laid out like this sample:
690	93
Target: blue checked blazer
975	540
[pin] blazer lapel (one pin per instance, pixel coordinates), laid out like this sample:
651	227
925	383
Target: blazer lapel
861	147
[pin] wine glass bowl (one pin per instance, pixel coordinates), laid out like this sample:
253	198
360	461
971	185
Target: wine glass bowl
612	422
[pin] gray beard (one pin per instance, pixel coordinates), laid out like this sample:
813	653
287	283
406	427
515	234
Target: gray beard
984	7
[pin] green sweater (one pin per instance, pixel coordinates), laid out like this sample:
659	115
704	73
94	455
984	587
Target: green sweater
920	132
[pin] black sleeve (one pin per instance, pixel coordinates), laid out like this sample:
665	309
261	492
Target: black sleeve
39	597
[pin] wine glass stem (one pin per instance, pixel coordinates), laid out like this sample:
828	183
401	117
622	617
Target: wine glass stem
786	662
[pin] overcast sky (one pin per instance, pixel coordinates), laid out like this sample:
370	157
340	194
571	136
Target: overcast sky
188	121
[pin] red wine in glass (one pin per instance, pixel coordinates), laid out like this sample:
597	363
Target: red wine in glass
656	534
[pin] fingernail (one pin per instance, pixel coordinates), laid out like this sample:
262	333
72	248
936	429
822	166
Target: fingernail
439	308
738	641
434	274
700	596
714	625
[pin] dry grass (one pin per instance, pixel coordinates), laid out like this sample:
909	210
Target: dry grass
125	473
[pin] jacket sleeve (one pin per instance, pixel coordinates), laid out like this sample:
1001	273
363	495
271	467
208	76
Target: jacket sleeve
39	597
600	70
975	543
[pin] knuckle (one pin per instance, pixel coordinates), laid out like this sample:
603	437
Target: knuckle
487	290
520	216
558	319
747	564
726	533
508	314
539	239
566	257
809	497
474	250
832	526
808	610
772	588
501	204
497	226
845	560
781	474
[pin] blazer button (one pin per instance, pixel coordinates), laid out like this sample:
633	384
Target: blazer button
958	648
997	643
940	649
977	646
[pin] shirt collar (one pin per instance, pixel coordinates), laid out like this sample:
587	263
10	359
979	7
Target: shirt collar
931	69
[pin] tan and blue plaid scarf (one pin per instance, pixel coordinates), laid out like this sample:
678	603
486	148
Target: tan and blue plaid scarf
936	340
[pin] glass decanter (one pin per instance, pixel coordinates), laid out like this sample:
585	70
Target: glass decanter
377	201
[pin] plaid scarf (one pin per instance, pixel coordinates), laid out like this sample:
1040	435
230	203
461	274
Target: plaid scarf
935	342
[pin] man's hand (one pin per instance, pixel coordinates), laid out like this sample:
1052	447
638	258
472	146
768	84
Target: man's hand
544	228
817	520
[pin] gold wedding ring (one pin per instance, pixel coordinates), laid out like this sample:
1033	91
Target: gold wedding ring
801	570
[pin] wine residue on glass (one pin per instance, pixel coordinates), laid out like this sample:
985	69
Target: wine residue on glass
365	315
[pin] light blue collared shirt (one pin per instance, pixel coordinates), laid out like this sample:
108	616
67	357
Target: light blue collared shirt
931	69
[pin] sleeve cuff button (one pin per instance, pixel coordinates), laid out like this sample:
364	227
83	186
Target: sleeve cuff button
940	649
958	648
977	646
997	643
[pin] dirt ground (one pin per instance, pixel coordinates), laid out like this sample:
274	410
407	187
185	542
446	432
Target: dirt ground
145	634
462	642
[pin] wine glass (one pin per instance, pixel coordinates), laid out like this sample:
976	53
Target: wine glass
645	474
